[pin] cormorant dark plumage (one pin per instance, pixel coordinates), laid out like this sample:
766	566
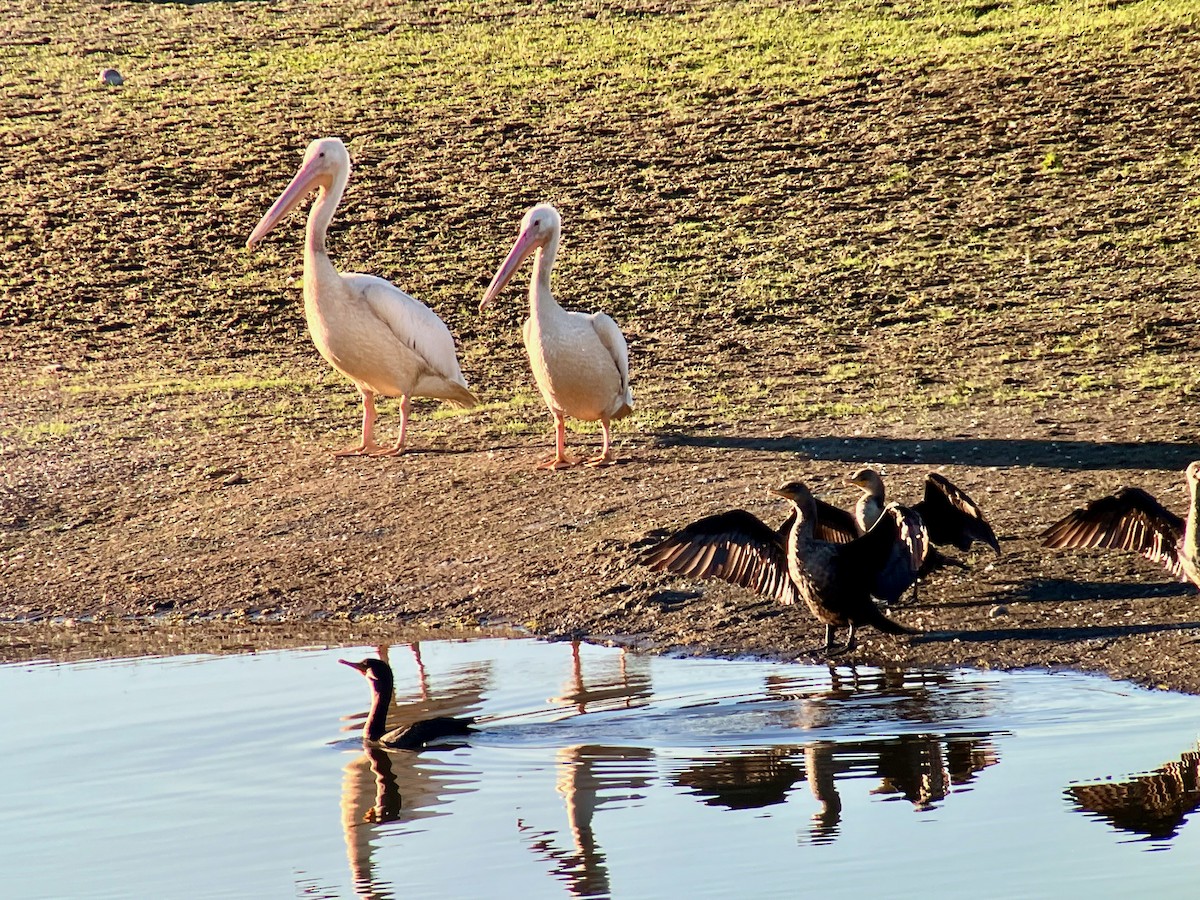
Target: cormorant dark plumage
946	517
831	572
1132	519
410	737
949	515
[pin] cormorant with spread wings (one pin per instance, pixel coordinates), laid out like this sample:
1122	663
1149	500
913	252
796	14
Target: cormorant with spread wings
814	557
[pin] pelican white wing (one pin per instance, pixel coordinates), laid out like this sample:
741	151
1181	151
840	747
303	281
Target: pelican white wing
411	322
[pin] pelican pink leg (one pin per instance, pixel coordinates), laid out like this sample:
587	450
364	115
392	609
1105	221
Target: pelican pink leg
368	445
559	460
606	454
399	447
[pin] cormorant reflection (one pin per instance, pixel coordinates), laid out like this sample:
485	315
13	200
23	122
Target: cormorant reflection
1154	805
921	768
911	695
370	797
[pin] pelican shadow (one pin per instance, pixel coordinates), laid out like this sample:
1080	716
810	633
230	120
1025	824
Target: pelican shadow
1065	454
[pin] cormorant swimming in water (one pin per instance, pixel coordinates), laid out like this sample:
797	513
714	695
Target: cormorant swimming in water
410	737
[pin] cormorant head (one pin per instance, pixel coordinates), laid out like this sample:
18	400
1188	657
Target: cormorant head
795	491
376	671
868	481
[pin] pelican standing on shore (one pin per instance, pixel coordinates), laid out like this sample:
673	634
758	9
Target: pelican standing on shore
385	341
580	361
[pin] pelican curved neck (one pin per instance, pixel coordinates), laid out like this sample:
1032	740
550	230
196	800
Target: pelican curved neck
539	285
322	212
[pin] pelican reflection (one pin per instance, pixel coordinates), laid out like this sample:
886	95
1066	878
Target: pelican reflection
622	682
588	778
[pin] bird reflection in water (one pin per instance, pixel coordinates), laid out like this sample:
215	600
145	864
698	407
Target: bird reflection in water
921	768
591	776
370	798
588	778
1154	805
626	688
384	787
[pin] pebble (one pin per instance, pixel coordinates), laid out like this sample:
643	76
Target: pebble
997	611
111	77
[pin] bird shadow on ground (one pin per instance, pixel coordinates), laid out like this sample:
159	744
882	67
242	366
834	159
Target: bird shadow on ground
983	452
672	600
1082	633
1066	590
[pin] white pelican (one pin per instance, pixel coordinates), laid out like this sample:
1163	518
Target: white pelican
376	335
580	361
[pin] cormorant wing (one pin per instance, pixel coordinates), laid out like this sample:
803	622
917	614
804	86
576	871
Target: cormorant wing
952	517
424	731
735	546
837	526
1130	519
866	556
862	562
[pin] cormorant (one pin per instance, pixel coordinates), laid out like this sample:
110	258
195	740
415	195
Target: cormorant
1131	519
946	516
410	737
834	578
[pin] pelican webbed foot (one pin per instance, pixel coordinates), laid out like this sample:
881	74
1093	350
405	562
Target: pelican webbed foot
360	450
387	451
554	463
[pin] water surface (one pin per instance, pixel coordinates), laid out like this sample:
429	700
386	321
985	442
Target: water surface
597	773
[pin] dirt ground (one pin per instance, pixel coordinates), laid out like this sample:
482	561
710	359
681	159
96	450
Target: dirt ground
991	273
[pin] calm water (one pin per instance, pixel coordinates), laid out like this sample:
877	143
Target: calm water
602	774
